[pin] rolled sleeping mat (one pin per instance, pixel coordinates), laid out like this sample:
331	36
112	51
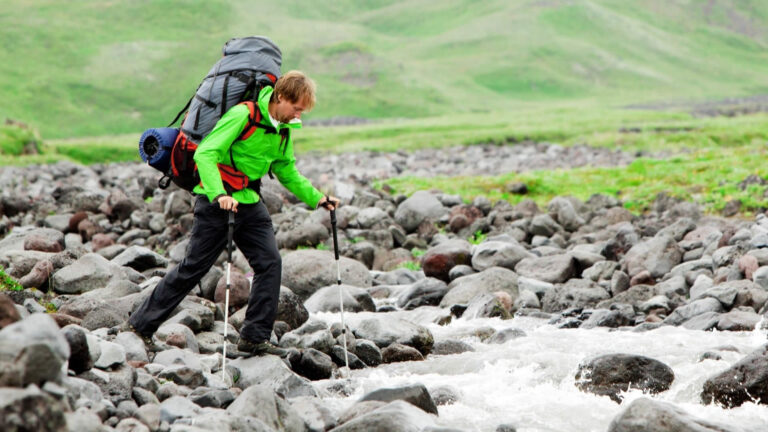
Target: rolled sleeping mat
155	147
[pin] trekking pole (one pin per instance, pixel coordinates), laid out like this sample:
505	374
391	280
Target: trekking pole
230	231
338	281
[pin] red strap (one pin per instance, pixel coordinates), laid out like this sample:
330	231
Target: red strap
253	118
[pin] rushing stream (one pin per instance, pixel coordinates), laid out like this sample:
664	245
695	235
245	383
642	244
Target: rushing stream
528	382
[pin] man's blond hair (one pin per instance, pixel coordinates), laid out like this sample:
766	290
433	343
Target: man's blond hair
294	86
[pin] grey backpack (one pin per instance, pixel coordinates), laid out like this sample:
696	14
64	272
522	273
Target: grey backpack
247	66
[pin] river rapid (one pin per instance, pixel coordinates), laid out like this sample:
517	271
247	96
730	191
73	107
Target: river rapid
528	382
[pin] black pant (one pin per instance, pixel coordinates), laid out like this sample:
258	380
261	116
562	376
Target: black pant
254	236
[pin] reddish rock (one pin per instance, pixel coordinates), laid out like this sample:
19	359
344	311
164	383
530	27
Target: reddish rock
75	220
100	241
400	353
748	265
439	260
463	216
239	290
38	276
177	340
505	300
642	278
64	320
87	229
8	312
40	243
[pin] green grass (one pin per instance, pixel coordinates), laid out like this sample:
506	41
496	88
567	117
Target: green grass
138	62
709	177
7	283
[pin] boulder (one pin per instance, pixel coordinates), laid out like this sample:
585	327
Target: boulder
610	374
90	272
396	416
327	299
742	382
420	206
438	261
658	255
415	394
648	415
464	289
384	331
306	271
31	409
262	403
552	269
32	351
498	254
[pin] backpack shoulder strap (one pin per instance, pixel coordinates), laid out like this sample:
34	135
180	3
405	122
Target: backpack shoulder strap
254	122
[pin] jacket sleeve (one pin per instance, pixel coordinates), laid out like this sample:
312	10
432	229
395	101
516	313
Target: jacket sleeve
285	170
215	149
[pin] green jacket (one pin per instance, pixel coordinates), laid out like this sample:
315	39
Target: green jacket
253	156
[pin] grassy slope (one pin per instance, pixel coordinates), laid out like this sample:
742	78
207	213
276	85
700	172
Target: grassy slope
101	68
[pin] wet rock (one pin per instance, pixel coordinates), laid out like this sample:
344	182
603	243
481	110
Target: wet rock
368	352
397	352
426	292
742	382
648	415
506	335
608	375
396	416
314	365
738	320
384	331
415	394
290	309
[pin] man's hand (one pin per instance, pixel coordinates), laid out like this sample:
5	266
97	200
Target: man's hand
329	202
226	202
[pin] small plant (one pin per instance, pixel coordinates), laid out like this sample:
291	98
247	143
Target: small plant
322	246
148	199
477	238
51	308
7	283
418	253
357	239
410	265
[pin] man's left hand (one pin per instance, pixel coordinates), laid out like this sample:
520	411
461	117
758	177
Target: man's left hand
329	202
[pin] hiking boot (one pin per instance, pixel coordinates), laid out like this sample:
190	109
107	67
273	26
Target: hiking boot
127	327
260	348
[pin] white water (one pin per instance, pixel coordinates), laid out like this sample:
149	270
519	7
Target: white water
529	382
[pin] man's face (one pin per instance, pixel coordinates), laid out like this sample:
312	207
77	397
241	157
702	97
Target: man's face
286	110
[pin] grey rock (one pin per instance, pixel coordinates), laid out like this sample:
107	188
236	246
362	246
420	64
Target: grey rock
552	269
658	255
368	352
696	307
428	291
261	402
498	254
610	374
177	407
327	299
396	416
575	293
462	290
112	354
420	206
742	382
30	409
116	385
648	415
384	331
415	394
90	272
140	258
738	320
304	271
32	351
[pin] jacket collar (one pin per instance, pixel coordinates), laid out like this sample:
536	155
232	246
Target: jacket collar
264	96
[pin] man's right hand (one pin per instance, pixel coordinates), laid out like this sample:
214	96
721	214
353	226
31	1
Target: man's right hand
226	202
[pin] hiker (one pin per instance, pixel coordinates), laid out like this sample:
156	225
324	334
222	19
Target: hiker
267	150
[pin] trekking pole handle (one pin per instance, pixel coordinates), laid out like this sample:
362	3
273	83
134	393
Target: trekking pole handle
335	235
230	233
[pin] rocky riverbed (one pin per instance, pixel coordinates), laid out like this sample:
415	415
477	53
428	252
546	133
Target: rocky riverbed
619	322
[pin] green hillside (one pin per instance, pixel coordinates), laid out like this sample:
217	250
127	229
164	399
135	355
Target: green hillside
91	68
